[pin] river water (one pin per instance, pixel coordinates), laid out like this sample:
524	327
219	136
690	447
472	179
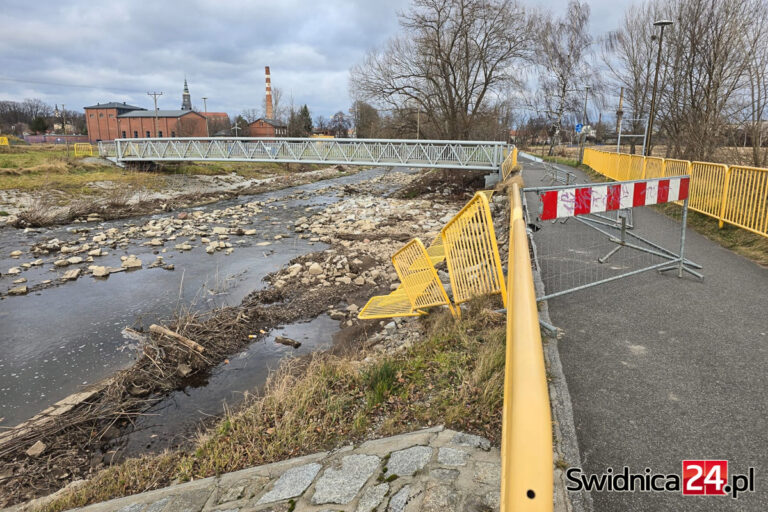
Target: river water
57	340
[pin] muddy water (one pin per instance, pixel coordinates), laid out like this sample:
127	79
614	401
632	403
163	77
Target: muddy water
55	341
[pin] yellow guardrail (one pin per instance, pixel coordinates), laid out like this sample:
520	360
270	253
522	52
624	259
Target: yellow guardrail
4	141
526	443
509	163
734	194
83	149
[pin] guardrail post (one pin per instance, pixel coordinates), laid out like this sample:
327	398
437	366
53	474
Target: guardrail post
724	199
119	148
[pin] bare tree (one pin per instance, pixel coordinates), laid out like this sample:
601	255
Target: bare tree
754	41
448	59
562	56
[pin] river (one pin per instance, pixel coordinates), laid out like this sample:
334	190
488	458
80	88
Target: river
57	340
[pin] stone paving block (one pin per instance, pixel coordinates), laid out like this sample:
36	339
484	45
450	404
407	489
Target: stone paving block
399	500
452	456
462	439
382	447
157	506
487	473
191	501
372	497
292	483
134	507
444	475
409	461
341	485
440	498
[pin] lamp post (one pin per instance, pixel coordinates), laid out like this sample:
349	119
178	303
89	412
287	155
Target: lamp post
584	126
205	109
652	114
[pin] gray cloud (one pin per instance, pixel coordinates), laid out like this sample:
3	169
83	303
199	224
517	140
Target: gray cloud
114	50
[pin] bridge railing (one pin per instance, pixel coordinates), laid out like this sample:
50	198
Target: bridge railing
481	155
526	445
734	194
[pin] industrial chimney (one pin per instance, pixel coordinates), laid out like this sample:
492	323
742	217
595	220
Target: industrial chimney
269	95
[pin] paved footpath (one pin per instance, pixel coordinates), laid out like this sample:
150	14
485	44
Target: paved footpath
662	369
434	470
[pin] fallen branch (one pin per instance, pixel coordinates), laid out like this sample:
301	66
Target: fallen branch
159	329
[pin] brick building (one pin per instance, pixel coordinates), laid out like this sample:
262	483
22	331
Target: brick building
114	120
267	128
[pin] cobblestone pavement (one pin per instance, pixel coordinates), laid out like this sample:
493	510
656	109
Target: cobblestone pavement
433	469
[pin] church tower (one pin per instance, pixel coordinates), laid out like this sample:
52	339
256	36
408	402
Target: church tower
186	101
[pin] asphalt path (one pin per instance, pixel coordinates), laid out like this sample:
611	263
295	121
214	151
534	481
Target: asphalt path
662	369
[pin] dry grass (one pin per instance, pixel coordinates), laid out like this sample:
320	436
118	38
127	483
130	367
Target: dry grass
453	377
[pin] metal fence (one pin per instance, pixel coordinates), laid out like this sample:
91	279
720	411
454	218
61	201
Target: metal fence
600	238
734	194
480	155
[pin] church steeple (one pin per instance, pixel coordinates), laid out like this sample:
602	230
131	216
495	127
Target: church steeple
186	100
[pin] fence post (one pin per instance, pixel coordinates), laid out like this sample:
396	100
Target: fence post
724	199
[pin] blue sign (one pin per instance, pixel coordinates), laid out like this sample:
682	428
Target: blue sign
579	127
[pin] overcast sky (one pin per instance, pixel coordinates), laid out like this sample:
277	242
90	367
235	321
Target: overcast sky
82	52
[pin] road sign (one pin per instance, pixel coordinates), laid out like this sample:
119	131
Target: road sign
579	127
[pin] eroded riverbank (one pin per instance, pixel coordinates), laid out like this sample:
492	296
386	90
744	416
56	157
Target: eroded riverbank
362	229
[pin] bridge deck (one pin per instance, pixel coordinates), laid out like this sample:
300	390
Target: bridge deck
481	155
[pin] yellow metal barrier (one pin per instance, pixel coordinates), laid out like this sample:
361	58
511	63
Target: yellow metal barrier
83	149
419	277
526	442
707	187
654	168
510	162
737	195
746	199
4	141
471	252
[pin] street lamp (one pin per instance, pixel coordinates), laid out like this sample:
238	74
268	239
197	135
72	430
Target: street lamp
205	109
584	126
652	114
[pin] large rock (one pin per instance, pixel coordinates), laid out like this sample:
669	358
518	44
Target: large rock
19	290
341	485
13	271
131	262
315	269
16	254
71	275
99	271
36	449
409	461
74	260
292	483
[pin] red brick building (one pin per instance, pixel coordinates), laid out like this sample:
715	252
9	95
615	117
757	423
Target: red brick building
267	128
111	121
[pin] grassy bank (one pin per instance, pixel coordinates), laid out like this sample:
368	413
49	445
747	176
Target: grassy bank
740	241
48	167
453	376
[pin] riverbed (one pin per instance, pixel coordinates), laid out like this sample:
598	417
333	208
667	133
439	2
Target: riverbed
58	339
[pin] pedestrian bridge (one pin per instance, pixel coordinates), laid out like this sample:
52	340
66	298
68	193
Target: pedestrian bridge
478	155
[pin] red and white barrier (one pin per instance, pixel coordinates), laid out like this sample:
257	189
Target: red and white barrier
580	200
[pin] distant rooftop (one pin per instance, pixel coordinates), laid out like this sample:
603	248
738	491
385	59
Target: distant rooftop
273	122
116	104
160	113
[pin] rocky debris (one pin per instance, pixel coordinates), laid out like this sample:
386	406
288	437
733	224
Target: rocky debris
287	341
13	271
71	275
16	254
99	271
61	263
20	280
19	290
315	269
131	262
36	449
74	260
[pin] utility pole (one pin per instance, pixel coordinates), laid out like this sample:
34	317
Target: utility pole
154	96
584	126
64	126
652	115
205	109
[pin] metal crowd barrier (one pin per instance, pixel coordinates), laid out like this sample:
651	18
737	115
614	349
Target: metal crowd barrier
734	194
